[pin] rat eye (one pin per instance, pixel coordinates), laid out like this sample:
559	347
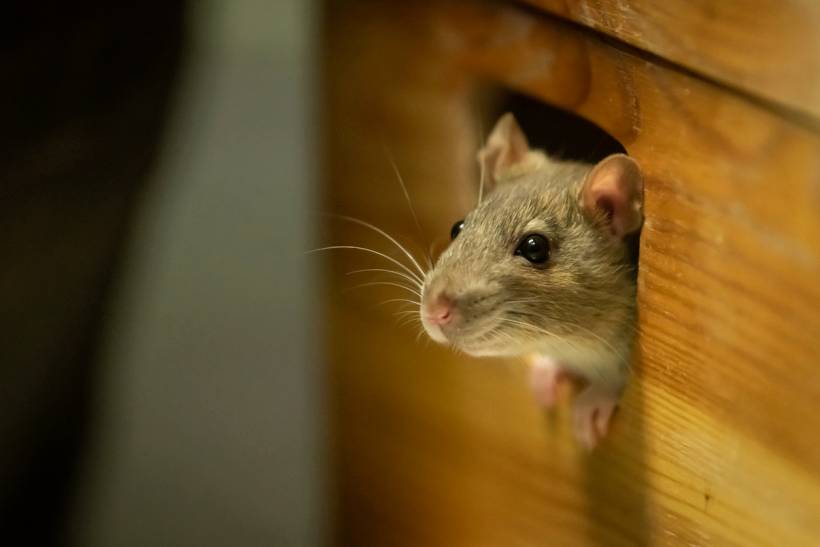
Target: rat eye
534	248
456	229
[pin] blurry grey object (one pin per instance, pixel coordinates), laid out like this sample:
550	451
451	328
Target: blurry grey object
210	411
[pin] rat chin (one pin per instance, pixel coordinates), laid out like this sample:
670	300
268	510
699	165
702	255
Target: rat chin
475	344
434	331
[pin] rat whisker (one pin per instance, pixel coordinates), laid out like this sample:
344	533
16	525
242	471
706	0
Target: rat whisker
400	300
520	302
405	276
389	283
481	163
395	167
400	322
384	234
540	330
530	326
596	336
365	249
481	181
406	321
567	339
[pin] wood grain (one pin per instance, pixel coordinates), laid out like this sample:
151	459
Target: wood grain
767	48
716	441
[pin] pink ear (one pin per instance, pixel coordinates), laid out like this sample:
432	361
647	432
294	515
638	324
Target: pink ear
506	147
614	188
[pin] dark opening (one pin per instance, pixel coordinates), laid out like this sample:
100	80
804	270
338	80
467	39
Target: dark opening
560	133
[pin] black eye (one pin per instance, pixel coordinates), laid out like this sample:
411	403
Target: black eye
534	248
456	229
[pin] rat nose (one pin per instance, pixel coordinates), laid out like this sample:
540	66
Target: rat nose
440	310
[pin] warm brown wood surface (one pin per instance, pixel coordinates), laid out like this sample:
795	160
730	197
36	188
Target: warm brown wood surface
717	439
768	48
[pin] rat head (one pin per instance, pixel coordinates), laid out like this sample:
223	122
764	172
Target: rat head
541	261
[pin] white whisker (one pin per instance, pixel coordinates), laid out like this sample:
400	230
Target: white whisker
542	330
389	283
481	167
530	326
409	203
384	234
415	303
591	333
365	249
406	321
403	275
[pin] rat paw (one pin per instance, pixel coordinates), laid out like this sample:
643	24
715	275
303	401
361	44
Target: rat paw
592	411
545	376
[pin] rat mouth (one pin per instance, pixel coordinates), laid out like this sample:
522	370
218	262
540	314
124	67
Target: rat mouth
487	342
476	338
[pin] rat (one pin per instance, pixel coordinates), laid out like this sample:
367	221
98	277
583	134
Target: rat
541	268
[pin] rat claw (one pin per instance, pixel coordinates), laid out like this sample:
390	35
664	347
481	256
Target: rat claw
602	418
545	376
592	413
585	433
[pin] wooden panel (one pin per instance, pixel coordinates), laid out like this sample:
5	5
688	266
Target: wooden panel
769	48
716	441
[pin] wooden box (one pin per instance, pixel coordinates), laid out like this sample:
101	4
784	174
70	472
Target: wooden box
717	441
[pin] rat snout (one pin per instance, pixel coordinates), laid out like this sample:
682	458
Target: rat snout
456	308
439	313
440	309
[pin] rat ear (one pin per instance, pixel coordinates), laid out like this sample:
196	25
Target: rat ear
507	153
614	188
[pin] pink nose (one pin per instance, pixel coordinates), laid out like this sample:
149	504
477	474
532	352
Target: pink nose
440	310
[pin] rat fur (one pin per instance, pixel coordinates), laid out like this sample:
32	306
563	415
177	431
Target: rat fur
574	314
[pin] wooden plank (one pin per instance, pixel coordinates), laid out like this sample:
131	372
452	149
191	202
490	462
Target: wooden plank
768	48
715	443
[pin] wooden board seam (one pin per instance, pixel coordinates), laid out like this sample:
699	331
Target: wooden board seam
791	114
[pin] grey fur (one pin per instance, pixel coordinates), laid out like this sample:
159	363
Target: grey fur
580	304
